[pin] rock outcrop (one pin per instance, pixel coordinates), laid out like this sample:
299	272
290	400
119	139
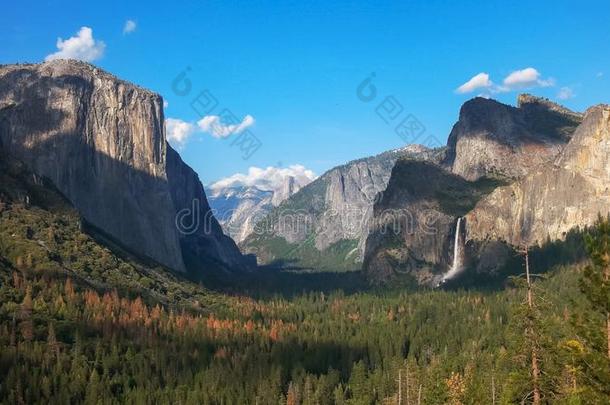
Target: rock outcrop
330	216
288	188
570	192
101	141
492	139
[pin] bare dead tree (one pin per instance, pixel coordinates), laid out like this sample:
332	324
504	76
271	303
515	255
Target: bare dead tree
399	386
529	333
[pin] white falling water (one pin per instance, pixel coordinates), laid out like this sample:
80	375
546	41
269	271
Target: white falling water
456	267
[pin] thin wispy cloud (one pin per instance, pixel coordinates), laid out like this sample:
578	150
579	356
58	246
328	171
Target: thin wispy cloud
517	80
565	93
213	125
82	46
129	27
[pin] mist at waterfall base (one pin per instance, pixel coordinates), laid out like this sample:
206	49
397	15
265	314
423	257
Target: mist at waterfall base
457	265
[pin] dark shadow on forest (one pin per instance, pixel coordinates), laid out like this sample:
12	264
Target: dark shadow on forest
269	281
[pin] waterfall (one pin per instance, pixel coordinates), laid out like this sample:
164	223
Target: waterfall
457	256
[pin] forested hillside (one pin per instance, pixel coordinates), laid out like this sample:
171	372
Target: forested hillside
81	323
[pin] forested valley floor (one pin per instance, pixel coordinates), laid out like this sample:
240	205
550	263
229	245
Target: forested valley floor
81	324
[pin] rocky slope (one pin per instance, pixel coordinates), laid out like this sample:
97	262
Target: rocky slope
492	139
101	142
570	192
238	208
324	225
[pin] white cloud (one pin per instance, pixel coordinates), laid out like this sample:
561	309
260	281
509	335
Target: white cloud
525	78
565	93
268	179
519	79
82	47
178	131
476	82
212	124
129	27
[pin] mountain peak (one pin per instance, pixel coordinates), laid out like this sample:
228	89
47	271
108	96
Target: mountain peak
481	104
527	101
492	139
64	69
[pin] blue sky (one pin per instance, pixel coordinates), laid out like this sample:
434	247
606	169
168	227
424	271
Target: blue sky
294	66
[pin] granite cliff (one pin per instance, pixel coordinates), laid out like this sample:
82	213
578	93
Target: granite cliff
550	201
101	142
492	145
491	139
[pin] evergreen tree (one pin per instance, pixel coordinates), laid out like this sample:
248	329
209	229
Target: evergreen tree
594	326
358	385
27	324
52	344
292	397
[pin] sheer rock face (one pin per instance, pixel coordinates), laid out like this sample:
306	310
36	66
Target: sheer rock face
410	232
550	201
101	141
497	140
204	245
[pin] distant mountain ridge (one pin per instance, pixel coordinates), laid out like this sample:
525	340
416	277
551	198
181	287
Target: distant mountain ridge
509	177
239	207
